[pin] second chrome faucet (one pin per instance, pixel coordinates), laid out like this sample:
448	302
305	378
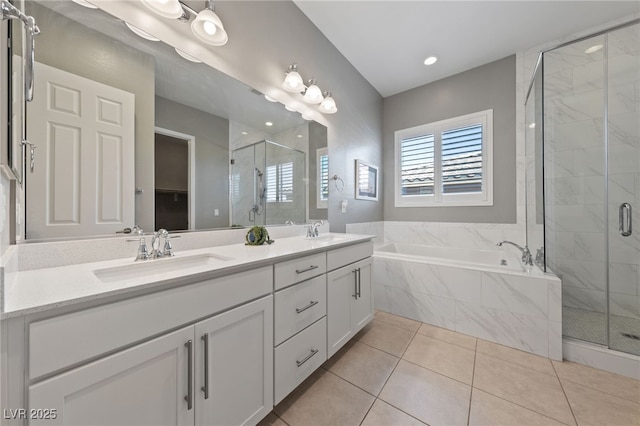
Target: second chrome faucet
527	259
156	252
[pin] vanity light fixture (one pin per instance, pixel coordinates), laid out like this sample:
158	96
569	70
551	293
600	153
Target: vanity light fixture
85	3
171	9
137	31
306	117
187	56
313	94
293	80
270	99
328	105
288	108
208	27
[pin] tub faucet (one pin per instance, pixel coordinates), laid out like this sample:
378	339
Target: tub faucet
526	254
312	230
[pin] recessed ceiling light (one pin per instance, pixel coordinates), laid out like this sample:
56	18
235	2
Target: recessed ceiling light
299	136
244	133
430	60
532	125
268	123
270	99
594	48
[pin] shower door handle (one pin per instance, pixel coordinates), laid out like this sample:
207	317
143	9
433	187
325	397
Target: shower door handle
624	225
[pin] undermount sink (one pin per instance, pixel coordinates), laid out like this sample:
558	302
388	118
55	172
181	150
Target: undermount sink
327	238
143	268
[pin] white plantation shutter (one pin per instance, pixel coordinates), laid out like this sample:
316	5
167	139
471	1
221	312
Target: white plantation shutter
324	177
279	183
445	163
417	165
462	160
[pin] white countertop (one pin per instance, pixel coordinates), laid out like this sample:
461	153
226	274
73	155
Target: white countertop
39	290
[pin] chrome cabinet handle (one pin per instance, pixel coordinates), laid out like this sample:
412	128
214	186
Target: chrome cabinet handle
359	282
624	226
355	283
205	388
310	268
307	358
311	304
189	397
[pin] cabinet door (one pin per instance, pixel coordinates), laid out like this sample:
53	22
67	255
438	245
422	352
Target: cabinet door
341	290
349	303
234	365
143	385
362	306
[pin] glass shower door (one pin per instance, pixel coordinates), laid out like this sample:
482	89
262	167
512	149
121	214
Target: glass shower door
623	152
575	184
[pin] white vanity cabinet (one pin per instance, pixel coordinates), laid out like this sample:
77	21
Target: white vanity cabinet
217	371
300	344
349	294
145	384
234	365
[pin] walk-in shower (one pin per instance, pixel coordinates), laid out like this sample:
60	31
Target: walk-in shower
583	147
268	185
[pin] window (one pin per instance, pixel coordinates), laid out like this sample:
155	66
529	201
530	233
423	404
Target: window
280	183
445	163
322	166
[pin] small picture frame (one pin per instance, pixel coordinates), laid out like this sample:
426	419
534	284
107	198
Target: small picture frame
366	181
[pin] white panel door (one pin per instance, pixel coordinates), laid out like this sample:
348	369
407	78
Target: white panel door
83	180
143	385
234	382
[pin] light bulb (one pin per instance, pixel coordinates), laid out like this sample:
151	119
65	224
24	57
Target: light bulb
209	27
313	94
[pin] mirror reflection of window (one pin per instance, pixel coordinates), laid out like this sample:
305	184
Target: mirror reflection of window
280	183
322	157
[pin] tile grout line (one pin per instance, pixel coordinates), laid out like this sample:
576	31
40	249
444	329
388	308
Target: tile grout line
386	381
564	393
597	390
473	376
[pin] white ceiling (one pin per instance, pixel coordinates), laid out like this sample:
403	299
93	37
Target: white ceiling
387	41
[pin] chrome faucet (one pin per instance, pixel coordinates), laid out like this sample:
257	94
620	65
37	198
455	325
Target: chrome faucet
526	254
154	253
312	229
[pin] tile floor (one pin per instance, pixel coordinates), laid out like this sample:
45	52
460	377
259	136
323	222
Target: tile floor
398	371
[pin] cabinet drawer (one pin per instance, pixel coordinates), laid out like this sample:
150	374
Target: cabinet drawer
296	270
343	256
299	306
69	339
298	357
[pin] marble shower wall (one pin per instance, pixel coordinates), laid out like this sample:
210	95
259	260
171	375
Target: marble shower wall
575	95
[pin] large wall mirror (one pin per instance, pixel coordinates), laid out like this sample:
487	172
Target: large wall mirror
131	131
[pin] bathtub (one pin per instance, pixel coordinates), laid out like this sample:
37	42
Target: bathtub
471	291
451	256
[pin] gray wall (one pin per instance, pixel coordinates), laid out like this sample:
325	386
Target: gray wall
77	49
212	158
491	86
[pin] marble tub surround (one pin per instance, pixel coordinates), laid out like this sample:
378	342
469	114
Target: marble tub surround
37	290
49	254
482	236
523	311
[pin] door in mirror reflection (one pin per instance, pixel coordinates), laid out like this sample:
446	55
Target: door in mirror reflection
84	182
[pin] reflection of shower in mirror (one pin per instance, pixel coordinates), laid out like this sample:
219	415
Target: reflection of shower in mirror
258	195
